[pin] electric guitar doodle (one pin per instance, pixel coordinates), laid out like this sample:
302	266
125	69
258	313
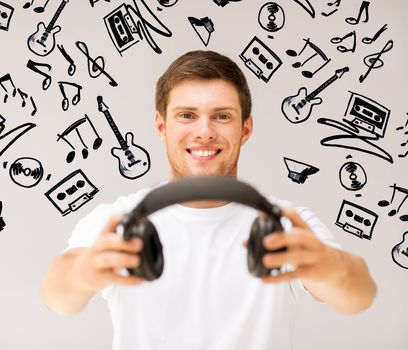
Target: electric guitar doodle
42	42
297	108
400	252
134	161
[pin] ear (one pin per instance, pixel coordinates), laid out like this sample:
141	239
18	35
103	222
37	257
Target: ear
247	128
160	125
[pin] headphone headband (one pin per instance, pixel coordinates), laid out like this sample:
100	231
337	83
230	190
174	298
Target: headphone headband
203	188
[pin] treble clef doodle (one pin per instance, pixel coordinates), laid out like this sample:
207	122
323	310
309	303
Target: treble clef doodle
96	66
374	60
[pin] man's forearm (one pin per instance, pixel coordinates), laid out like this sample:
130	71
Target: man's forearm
60	290
351	288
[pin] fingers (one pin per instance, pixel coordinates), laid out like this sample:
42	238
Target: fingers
111	225
293	216
283	277
114	278
298	237
117	243
109	260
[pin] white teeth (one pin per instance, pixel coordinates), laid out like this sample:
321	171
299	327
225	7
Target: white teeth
202	153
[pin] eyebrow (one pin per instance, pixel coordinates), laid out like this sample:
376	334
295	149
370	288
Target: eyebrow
217	109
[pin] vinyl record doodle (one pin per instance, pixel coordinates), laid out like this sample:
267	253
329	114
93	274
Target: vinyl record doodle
26	172
352	176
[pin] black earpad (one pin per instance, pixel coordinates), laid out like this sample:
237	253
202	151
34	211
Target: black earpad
261	227
152	261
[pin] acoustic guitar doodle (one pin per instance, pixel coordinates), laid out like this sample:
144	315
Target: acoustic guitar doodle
297	108
134	161
42	42
400	252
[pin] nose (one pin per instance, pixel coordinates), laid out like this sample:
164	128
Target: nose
205	130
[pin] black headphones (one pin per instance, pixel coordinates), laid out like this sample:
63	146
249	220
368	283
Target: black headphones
136	224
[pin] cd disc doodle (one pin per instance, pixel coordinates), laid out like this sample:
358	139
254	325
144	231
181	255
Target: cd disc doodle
271	17
26	172
352	176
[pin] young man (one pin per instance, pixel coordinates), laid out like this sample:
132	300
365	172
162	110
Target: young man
205	298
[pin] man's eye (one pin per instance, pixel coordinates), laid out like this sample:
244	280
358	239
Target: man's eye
186	116
223	116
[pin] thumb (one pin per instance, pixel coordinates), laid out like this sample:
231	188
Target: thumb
111	225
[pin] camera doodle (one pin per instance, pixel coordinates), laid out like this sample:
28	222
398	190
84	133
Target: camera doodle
72	192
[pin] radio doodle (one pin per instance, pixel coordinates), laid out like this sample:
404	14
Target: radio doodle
356	220
72	192
260	59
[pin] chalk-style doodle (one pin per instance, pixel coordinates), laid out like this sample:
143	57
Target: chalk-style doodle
47	78
374	60
126	30
260	59
11	136
75	127
39	8
400	252
271	17
26	172
352	176
92	2
336	3
316	52
75	99
368	40
222	3
166	3
401	192
365	121
72	192
297	108
404	144
134	160
72	66
356	220
298	171
2	223
42	42
95	69
7	78
307	6
6	12
363	8
204	27
343	48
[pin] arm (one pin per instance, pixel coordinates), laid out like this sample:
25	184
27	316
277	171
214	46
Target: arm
336	277
76	276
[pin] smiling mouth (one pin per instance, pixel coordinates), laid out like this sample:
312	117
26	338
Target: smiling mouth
204	154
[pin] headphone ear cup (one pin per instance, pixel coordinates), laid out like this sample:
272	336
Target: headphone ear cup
262	226
152	260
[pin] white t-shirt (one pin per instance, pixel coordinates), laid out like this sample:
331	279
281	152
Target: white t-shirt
205	298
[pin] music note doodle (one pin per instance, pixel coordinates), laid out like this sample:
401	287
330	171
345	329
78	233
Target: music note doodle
7	78
75	99
385	203
363	8
75	127
316	52
336	3
374	60
71	67
339	40
95	69
47	78
368	40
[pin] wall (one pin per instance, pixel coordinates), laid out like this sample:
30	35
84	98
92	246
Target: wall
356	139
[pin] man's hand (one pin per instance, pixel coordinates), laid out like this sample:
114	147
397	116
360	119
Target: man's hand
329	274
99	265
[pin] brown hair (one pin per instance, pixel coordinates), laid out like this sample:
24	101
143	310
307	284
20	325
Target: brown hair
204	65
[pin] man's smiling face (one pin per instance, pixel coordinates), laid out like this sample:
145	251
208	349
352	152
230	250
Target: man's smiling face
203	129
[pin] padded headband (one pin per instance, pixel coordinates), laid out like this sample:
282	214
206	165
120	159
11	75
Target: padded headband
203	188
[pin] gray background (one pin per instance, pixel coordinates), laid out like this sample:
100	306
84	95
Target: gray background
36	232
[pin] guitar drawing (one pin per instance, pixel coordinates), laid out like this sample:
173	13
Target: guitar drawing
298	108
134	161
400	252
42	42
